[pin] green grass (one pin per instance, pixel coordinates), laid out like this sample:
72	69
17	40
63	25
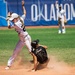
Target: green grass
60	45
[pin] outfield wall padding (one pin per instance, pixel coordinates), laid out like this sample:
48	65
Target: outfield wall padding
39	12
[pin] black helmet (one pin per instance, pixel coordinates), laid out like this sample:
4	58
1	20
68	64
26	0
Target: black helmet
34	43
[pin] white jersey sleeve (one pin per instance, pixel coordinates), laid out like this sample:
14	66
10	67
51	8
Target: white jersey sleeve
63	12
23	16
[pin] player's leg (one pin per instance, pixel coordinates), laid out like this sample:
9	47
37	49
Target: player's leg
16	51
60	29
59	24
28	45
28	42
63	27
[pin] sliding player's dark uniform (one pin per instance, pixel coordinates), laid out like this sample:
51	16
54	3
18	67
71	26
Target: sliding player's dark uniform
39	51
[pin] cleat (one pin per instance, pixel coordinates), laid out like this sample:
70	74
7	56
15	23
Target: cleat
7	68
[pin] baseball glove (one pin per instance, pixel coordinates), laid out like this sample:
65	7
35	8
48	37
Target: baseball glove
65	22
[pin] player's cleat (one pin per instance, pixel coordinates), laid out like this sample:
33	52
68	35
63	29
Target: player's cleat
59	32
7	68
63	31
33	70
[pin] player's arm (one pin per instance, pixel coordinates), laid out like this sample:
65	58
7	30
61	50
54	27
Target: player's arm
43	46
64	14
23	8
35	61
65	20
10	25
57	8
64	17
8	21
8	16
57	5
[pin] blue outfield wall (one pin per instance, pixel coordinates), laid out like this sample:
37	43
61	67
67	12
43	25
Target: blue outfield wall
3	12
39	12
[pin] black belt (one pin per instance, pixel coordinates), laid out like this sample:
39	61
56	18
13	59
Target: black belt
24	29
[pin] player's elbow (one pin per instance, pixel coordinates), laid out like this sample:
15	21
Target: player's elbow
24	13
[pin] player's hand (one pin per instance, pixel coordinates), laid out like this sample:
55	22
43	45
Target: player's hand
56	2
7	18
23	2
9	14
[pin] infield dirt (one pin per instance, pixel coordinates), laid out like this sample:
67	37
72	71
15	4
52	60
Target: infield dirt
54	67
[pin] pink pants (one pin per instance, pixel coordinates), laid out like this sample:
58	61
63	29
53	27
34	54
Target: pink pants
19	47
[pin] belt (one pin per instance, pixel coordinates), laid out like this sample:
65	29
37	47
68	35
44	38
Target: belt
24	29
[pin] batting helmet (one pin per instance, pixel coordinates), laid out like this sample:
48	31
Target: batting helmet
34	43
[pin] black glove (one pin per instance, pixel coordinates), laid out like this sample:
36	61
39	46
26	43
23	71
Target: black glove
9	27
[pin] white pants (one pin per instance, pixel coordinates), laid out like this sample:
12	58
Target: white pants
62	27
18	48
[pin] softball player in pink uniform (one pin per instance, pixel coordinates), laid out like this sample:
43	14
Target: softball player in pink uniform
24	37
61	18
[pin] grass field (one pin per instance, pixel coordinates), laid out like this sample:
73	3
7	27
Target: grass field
62	46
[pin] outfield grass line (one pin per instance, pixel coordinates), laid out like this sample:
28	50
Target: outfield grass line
54	26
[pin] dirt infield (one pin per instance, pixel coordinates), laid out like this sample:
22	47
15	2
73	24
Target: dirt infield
53	68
